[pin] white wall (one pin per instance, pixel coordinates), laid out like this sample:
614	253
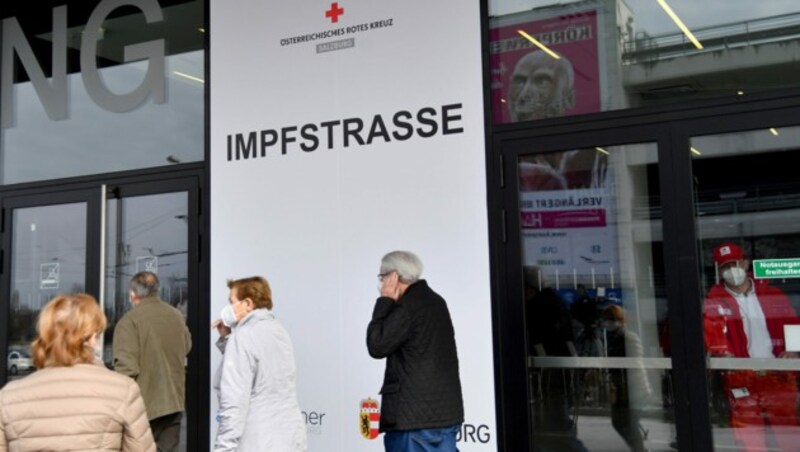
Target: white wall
316	224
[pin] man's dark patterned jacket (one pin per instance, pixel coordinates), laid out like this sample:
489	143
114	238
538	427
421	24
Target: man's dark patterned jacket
421	387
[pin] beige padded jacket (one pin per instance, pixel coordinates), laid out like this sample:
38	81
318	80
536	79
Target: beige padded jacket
83	407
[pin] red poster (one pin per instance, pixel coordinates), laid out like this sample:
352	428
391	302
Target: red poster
528	83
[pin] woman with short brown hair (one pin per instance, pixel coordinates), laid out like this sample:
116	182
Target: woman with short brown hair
255	288
72	401
258	409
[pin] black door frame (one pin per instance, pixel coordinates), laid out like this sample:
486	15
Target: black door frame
190	178
671	128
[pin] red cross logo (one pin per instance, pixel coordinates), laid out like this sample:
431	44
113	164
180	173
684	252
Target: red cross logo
334	12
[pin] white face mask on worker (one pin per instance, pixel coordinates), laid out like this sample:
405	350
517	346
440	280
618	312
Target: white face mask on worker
734	276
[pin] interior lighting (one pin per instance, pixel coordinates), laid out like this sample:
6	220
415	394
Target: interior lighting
538	44
190	77
680	23
740	93
695	151
503	100
201	29
773	131
599	149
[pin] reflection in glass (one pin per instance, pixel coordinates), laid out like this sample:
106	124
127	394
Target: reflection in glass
595	311
48	257
93	140
747	223
559	77
561	58
550	333
145	233
742	426
19	362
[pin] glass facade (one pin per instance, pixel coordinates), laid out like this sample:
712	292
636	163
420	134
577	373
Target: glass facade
750	263
145	233
48	258
89	88
595	310
124	88
551	59
619	358
103	102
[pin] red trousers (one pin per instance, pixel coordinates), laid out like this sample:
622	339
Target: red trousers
759	399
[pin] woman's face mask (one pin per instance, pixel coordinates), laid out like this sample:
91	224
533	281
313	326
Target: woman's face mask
228	316
234	311
734	276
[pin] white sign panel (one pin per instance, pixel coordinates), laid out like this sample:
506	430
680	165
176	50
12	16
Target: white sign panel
49	275
339	132
147	264
569	232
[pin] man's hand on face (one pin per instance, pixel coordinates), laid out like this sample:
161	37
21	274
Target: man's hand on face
391	286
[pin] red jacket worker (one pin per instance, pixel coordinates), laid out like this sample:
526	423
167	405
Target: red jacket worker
744	318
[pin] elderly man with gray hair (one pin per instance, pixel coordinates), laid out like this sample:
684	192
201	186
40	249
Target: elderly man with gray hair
151	342
422	408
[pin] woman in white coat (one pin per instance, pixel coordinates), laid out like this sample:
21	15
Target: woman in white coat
258	409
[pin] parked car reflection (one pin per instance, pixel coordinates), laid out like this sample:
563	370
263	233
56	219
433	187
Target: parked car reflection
19	361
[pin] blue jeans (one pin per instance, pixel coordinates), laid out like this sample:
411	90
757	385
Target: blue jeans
423	440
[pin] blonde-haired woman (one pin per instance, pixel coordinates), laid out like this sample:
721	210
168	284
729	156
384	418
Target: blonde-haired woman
71	402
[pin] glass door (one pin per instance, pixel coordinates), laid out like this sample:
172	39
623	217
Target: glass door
47	251
94	240
145	233
148	231
49	257
594	298
651	282
747	202
589	284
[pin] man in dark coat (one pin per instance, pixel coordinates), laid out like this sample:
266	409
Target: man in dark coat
422	408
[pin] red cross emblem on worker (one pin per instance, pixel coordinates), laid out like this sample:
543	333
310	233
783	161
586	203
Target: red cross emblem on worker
334	12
